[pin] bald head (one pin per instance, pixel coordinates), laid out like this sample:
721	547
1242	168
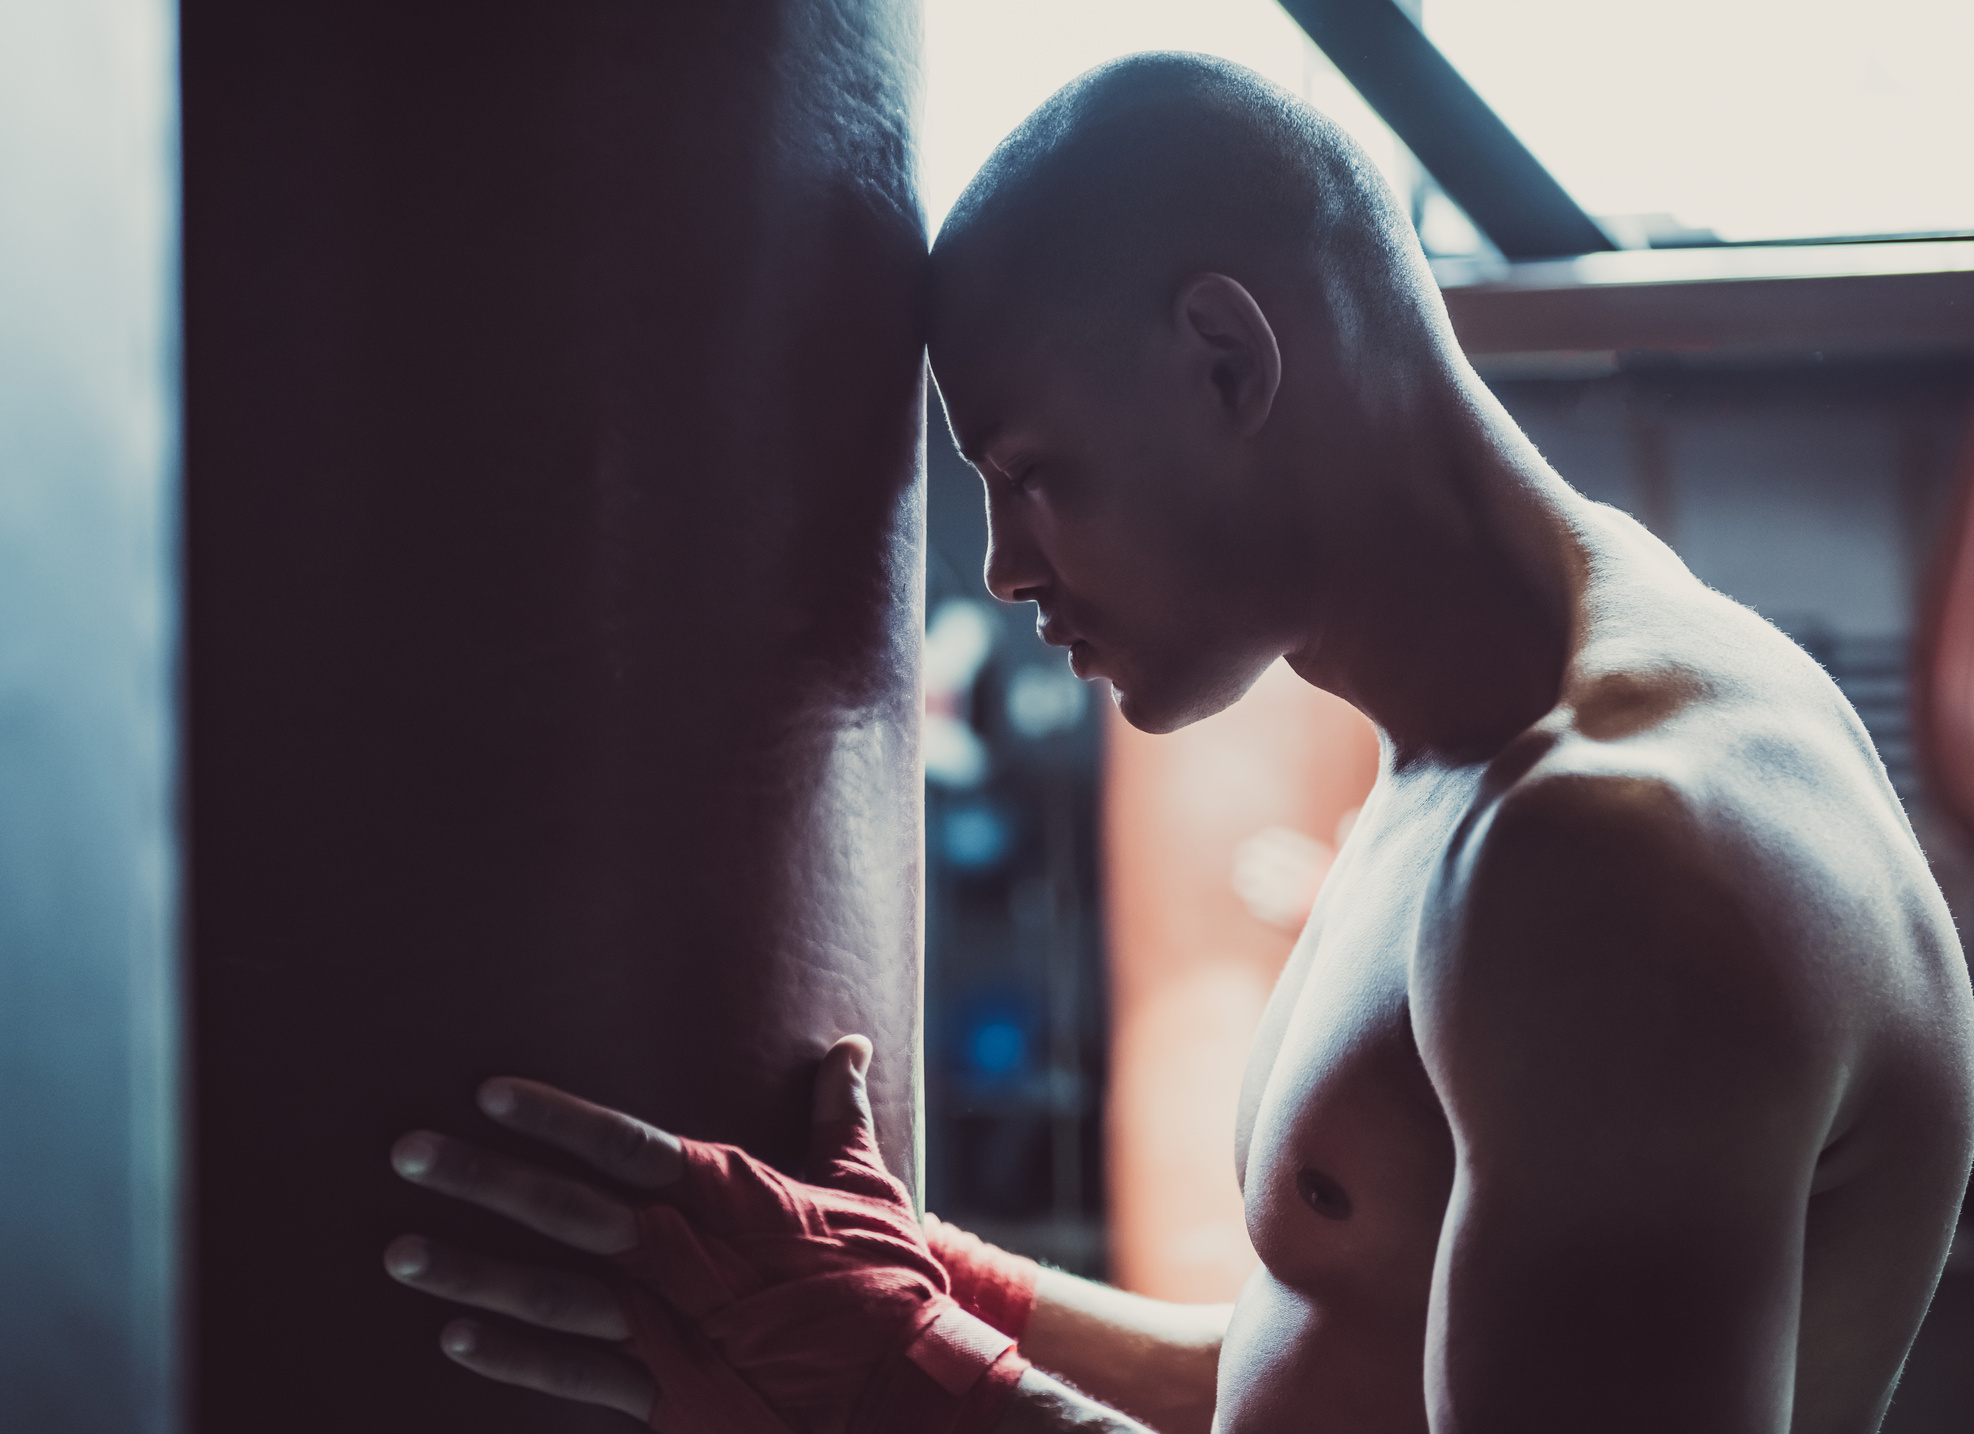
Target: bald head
1159	166
1177	321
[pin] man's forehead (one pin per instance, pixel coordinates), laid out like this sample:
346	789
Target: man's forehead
977	422
986	313
980	380
1030	378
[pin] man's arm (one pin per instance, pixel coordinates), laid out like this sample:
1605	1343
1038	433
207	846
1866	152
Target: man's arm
1043	1404
1156	1359
1622	1026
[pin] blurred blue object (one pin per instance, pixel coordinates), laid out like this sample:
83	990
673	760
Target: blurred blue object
1044	700
996	1032
998	1048
975	837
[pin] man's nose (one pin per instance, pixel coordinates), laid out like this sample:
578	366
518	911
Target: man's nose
1016	570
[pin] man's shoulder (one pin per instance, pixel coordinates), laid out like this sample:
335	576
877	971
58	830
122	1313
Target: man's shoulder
1573	845
1727	830
1707	833
1596	920
1679	689
1725	749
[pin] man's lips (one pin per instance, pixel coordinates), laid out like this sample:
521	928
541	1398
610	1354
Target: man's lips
1056	633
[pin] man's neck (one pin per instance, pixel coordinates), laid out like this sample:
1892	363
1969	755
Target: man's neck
1447	612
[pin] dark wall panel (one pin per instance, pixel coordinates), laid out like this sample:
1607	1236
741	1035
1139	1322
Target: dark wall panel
553	542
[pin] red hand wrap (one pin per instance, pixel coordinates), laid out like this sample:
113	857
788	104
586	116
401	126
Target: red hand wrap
986	1280
763	1305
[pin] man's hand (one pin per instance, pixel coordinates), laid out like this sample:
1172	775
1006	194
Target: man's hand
762	1304
564	1302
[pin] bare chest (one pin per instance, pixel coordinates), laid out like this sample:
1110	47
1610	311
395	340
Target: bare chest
1349	1159
1348	1164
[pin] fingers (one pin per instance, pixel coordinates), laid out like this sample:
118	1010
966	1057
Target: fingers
625	1149
560	1300
843	1140
558	1207
553	1366
840	1091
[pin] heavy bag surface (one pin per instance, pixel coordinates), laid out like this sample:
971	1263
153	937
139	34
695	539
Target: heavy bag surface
553	551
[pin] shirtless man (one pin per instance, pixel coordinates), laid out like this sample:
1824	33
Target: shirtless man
1624	1076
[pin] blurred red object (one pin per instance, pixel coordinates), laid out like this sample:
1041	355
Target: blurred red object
1215	839
1943	691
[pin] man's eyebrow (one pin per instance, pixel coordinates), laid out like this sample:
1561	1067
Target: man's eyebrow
972	449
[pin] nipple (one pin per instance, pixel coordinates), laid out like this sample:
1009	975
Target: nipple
1322	1194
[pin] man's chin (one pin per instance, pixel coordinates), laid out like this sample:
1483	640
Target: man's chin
1160	717
1158	708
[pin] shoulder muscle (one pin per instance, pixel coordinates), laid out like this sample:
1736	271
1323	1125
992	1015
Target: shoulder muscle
1598	961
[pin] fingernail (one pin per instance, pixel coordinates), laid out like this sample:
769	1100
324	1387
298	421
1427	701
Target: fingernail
414	1155
408	1257
860	1062
497	1098
459	1338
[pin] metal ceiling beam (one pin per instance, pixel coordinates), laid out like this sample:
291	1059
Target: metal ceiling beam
1476	158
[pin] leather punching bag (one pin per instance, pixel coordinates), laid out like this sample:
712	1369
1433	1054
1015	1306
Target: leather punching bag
553	552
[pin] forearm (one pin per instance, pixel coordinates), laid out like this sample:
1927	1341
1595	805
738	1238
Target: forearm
1158	1360
1044	1405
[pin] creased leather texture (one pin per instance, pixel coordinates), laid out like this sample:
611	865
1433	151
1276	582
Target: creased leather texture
554	603
763	1304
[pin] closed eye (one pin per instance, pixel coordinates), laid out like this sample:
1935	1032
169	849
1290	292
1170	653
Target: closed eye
1016	472
1023	477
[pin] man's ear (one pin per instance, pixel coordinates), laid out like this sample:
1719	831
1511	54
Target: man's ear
1238	344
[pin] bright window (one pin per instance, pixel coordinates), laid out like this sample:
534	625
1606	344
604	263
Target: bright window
1755	119
989	62
1746	120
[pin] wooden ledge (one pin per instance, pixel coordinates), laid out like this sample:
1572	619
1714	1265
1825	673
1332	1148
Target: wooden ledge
1758	301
